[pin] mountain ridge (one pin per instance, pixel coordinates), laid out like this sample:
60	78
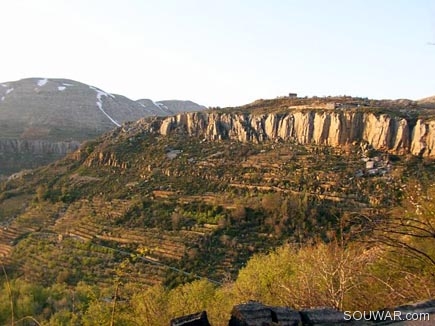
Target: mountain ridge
58	114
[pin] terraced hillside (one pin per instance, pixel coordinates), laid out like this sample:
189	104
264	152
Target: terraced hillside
156	208
81	243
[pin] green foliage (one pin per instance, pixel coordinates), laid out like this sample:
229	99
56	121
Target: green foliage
346	276
151	306
27	299
190	298
263	276
64	318
98	313
201	213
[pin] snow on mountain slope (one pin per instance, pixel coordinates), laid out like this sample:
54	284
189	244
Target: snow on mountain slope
171	107
61	110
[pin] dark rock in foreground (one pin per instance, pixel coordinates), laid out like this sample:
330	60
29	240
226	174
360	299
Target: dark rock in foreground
256	314
198	319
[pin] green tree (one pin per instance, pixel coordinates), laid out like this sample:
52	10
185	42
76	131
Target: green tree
190	298
263	277
318	275
150	307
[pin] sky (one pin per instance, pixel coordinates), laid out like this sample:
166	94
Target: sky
224	52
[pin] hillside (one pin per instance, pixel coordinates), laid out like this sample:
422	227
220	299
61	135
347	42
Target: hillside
427	102
166	200
43	119
192	189
430	99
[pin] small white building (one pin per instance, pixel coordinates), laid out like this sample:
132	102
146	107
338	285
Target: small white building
370	164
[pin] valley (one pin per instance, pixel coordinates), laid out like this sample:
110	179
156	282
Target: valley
194	197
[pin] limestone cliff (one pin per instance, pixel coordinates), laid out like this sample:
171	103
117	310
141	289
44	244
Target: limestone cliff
11	146
19	154
324	127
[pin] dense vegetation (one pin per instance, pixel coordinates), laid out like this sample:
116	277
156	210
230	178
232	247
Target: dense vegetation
341	274
139	229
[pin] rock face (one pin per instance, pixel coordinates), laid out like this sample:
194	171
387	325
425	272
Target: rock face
254	313
19	154
11	146
257	314
331	128
198	319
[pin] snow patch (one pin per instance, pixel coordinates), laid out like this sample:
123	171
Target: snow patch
42	82
66	84
100	106
9	90
4	85
3	98
99	103
61	88
100	93
162	107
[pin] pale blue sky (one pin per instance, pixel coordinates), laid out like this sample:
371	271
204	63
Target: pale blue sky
224	53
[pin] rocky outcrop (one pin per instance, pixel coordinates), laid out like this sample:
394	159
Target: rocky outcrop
332	128
198	319
98	158
256	314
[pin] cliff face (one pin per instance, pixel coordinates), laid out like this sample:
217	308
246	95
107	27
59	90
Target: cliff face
333	128
19	154
39	147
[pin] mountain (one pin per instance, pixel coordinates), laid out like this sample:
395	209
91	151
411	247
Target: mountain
43	119
171	107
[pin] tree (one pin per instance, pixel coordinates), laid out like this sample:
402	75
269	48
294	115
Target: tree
271	202
409	230
318	275
190	298
239	213
98	313
262	277
150	307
